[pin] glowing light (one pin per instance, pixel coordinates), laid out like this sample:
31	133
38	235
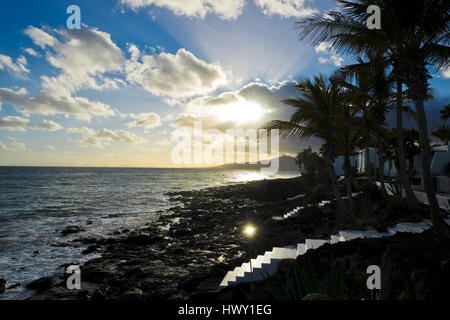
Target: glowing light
249	230
249	176
241	111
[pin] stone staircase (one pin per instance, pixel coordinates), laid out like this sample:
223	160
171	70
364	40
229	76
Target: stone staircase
294	212
267	264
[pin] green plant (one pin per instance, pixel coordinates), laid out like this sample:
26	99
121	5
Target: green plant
312	166
372	191
397	205
396	188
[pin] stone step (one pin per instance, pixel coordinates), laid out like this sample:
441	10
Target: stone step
301	249
267	264
335	239
314	243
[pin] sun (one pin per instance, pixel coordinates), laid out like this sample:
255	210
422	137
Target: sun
241	112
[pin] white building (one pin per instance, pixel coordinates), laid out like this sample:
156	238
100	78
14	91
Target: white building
440	159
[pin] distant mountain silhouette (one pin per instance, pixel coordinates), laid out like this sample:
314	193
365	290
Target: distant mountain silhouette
286	164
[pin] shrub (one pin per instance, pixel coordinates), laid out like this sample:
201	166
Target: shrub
372	192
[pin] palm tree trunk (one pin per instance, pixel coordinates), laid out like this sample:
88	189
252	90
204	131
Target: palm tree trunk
381	163
334	185
409	194
348	179
368	168
390	168
439	223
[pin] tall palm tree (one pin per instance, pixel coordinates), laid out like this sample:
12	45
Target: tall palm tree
425	25
412	149
348	33
347	139
442	133
317	114
414	34
369	91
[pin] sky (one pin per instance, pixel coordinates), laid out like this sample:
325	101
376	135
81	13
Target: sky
115	92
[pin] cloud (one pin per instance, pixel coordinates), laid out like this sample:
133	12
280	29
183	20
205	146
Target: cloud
224	9
330	55
250	106
446	73
147	120
14	123
285	8
32	52
95	138
15	146
48	104
179	75
49	125
210	110
40	37
119	135
17	69
82	56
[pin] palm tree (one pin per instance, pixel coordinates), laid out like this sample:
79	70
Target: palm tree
442	133
317	115
348	33
414	35
370	95
348	138
412	149
445	113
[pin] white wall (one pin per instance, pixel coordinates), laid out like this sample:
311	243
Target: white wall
439	160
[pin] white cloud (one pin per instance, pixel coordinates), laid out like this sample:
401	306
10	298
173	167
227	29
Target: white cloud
177	75
32	52
323	47
40	37
14	123
446	73
119	135
95	138
329	54
49	125
49	104
285	8
147	120
224	9
18	69
82	56
246	107
15	146
53	148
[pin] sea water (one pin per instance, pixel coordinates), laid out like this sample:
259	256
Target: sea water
37	203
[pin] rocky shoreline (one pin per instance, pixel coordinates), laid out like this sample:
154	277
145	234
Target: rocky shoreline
187	251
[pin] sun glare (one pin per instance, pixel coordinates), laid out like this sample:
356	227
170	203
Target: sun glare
241	112
249	230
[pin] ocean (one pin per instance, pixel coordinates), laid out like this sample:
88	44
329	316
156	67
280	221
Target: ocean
37	203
